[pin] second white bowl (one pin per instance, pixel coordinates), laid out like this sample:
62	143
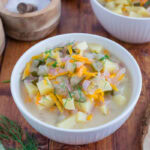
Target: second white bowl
128	29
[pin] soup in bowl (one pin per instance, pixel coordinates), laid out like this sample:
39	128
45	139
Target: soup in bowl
76	85
122	20
73	86
130	8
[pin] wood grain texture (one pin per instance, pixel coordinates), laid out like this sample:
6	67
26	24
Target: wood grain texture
77	16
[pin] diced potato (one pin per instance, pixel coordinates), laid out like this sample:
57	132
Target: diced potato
85	107
81	117
143	12
82	46
104	110
119	99
96	48
105	85
102	1
40	107
31	89
133	14
110	5
97	66
46	101
121	2
118	11
55	55
70	67
110	66
75	80
42	70
79	96
68	123
45	86
68	103
99	83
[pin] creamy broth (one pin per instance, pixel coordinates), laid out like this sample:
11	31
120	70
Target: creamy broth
99	116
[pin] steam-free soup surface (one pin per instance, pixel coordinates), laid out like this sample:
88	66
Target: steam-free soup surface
76	86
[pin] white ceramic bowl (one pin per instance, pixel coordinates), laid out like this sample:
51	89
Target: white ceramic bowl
128	29
81	136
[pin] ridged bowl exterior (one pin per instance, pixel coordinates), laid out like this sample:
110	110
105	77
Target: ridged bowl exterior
131	30
78	136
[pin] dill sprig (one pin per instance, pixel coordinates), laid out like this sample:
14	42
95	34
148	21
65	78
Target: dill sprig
54	65
81	98
63	85
6	81
11	131
105	57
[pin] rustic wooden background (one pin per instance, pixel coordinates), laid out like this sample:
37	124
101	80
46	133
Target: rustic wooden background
77	16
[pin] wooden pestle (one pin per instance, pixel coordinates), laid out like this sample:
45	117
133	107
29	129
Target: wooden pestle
26	8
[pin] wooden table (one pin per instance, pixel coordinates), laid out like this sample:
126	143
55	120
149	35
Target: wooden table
77	16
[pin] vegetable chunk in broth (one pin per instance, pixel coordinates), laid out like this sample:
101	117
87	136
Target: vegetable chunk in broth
131	8
76	86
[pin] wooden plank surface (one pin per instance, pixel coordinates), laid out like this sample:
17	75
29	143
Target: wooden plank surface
77	16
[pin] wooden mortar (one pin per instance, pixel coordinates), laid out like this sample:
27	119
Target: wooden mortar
31	26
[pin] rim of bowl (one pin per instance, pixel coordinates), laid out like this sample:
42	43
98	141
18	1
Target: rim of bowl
31	14
116	119
118	15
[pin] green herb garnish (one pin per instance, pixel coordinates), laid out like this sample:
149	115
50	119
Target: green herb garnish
147	4
54	91
74	65
11	131
48	51
41	62
81	99
54	64
65	87
67	99
105	57
6	81
69	93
